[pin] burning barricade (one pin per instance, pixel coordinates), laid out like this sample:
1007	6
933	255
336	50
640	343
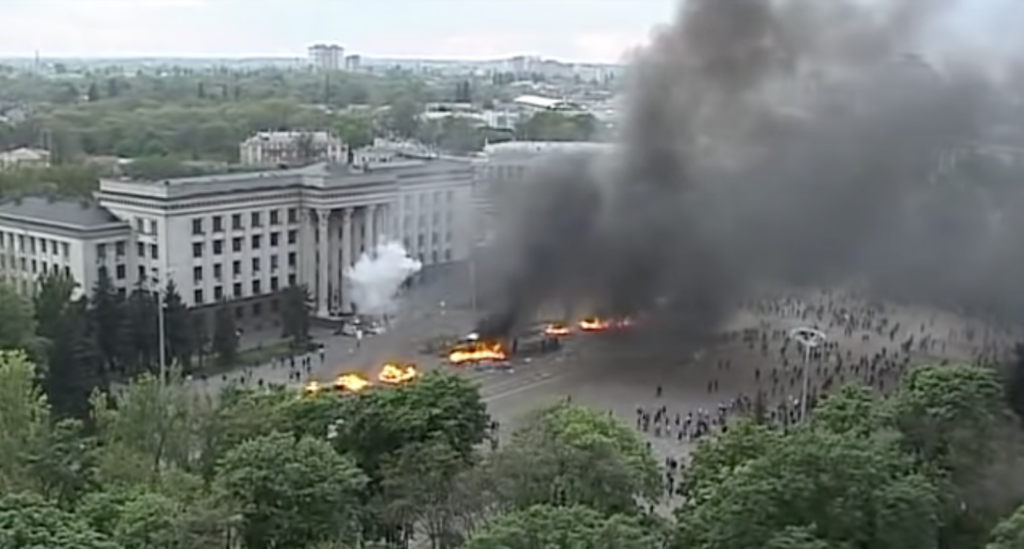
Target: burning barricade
352	383
474	352
397	374
598	324
557	329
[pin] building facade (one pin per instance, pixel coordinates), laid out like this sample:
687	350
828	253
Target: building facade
244	237
291	148
24	158
40	235
327	57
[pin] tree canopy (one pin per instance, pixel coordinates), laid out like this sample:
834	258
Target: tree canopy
156	464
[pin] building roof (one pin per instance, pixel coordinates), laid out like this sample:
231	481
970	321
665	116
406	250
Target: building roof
527	148
26	153
537	101
63	213
289	137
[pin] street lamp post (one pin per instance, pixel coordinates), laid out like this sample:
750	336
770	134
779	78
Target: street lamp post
809	339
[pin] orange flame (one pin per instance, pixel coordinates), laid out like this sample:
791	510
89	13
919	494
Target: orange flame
557	330
351	382
312	388
478	351
594	324
396	374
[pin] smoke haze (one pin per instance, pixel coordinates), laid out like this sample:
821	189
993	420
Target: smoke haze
377	276
787	142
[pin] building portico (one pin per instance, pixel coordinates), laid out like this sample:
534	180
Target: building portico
342	235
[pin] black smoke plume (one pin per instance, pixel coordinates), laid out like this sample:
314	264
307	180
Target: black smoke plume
767	143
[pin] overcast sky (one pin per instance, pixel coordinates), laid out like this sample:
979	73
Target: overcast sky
583	30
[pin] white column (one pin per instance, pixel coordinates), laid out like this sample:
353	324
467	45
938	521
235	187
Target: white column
307	252
333	267
346	256
322	297
370	224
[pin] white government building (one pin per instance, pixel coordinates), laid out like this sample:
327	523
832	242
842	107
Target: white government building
243	237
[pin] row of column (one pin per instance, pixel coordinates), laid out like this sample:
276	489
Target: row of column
337	248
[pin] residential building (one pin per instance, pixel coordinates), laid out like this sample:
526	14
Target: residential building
353	63
24	158
291	149
243	237
327	57
40	235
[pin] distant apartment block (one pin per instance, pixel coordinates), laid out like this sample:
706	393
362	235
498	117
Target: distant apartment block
291	149
327	57
353	63
24	158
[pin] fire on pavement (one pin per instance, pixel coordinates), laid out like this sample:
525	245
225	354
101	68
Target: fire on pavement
393	373
478	351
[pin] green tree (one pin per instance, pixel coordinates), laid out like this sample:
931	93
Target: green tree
24	415
296	310
141	325
153	420
17	320
565	527
570	455
291	492
106	309
557	126
28	521
1009	533
834	489
225	335
422	488
177	329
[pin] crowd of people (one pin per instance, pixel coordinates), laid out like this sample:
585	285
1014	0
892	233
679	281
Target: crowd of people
765	367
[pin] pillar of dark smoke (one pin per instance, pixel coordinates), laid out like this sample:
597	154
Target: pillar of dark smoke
788	142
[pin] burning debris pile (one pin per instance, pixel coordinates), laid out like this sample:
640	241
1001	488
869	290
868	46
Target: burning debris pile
730	175
391	373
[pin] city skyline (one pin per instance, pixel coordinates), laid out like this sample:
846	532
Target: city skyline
566	30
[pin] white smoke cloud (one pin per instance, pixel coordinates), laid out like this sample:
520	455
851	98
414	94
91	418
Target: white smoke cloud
377	275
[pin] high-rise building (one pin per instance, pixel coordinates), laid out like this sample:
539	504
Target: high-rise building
327	57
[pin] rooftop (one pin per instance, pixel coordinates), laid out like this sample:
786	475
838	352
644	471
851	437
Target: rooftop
543	147
65	213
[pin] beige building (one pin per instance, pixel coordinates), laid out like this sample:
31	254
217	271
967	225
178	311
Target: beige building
244	237
327	57
24	158
291	149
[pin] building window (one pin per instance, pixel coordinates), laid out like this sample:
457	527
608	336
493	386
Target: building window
119	270
274	238
256	287
236	268
293	236
65	249
197	297
236	221
291	259
218	224
142	274
218	293
256	241
197	274
236	244
291	280
218	247
275	217
197	225
273	262
140	250
154	251
236	289
293	215
101	250
218	271
254	219
273	284
255	265
197	249
119	249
